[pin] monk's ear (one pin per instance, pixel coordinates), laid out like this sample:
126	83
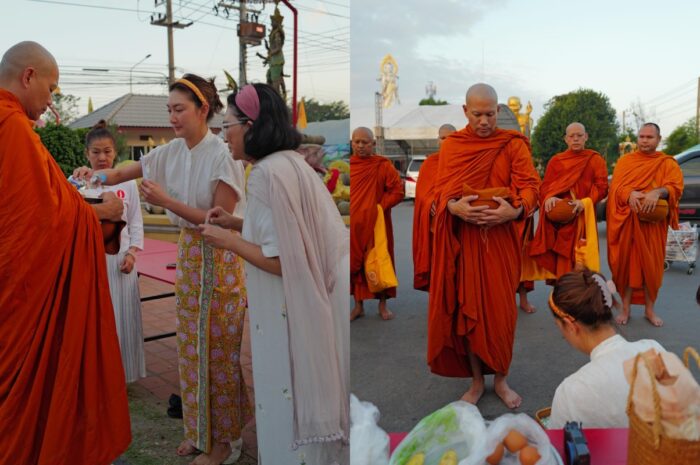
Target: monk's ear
464	108
27	75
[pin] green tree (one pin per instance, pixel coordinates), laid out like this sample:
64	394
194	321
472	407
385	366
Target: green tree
683	137
65	145
66	105
585	106
317	111
432	101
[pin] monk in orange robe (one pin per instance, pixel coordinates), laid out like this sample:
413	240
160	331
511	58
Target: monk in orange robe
636	249
374	181
580	171
62	389
476	252
423	212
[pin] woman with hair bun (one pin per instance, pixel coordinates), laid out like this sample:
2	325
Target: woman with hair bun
596	394
101	151
188	176
297	252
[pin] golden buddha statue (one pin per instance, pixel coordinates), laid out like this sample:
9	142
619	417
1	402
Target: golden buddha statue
627	146
524	120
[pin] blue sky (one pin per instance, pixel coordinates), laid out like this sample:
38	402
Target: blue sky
633	51
86	37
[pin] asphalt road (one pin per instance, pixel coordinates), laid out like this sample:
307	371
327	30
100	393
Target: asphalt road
388	363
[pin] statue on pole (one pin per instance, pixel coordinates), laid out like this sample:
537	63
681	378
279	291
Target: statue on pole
389	76
275	56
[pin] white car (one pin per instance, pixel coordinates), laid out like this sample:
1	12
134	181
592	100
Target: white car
412	176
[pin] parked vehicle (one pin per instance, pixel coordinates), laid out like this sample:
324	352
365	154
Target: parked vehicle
412	176
689	210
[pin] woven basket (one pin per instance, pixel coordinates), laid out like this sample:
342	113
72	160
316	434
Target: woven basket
648	445
486	195
659	212
542	414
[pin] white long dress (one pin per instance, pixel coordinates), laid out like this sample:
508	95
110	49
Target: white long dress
274	411
124	288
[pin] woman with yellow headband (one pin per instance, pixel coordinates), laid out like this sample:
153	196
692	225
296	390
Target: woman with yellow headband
188	176
596	394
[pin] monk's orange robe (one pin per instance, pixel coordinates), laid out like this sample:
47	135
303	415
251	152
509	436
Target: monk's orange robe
475	271
584	173
62	389
425	195
373	180
636	249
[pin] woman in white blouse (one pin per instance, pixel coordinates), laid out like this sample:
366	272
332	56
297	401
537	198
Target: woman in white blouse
596	394
123	280
296	249
188	176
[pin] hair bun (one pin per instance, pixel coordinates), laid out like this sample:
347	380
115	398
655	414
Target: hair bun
101	124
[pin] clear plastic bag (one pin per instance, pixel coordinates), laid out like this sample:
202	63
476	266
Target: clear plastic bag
369	444
497	431
458	427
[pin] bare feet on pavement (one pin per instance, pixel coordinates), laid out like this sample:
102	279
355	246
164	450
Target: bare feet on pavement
527	307
474	393
623	317
384	312
507	395
357	312
653	319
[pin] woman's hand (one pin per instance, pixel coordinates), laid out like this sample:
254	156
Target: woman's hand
154	194
128	264
221	217
82	172
217	236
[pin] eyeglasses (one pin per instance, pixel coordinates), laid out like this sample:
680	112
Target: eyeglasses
226	125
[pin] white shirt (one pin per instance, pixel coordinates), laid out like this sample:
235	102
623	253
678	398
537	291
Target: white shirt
132	234
191	175
596	394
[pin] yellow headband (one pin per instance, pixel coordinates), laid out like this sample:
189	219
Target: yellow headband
558	311
194	89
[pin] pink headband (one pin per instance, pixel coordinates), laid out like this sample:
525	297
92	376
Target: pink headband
248	102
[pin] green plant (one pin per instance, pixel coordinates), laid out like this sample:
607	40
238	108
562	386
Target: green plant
65	145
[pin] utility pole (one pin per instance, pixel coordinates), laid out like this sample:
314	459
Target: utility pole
167	21
379	121
242	64
697	113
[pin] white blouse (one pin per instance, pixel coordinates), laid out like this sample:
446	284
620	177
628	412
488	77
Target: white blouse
191	175
132	234
596	394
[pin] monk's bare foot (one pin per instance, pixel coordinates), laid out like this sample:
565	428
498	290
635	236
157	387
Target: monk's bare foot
219	453
507	395
186	448
474	393
357	312
384	312
653	319
527	307
623	317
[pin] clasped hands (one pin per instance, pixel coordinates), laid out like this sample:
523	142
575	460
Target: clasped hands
482	215
641	202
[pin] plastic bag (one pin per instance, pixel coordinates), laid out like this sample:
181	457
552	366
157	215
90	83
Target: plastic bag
457	426
369	444
497	431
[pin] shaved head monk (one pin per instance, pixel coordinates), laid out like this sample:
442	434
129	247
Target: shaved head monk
636	248
571	176
374	181
62	389
423	212
476	259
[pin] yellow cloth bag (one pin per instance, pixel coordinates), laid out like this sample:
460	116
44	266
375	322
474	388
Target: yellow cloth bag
587	249
379	270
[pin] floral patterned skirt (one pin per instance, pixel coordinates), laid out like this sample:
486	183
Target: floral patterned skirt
210	296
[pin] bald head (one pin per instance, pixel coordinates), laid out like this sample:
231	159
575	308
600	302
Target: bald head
482	91
444	131
481	109
24	55
576	137
363	142
30	72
